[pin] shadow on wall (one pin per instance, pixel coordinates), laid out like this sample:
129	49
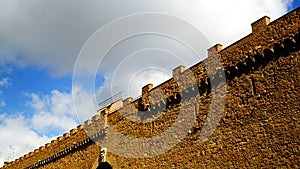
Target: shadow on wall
104	165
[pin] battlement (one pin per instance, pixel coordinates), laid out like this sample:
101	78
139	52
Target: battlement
260	24
267	42
56	148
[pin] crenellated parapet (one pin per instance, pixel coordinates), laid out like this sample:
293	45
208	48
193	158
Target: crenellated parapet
208	72
265	37
57	148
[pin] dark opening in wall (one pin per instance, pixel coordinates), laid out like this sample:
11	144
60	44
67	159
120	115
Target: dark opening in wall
202	87
253	86
250	63
208	85
175	99
289	44
278	50
142	107
297	39
268	54
231	72
243	68
258	60
104	165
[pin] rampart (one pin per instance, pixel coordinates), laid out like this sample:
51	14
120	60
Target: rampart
259	127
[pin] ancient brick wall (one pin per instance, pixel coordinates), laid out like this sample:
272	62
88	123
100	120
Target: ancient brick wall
258	128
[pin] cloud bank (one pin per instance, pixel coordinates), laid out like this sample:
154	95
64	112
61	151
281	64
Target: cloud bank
51	34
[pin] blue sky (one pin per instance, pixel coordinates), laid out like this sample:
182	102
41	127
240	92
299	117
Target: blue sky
28	80
296	4
39	44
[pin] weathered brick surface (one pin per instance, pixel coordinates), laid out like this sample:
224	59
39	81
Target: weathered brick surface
259	127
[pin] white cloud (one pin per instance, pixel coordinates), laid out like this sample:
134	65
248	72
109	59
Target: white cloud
84	103
15	132
52	111
141	64
5	82
50	34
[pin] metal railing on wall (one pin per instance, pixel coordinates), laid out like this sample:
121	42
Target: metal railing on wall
112	99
